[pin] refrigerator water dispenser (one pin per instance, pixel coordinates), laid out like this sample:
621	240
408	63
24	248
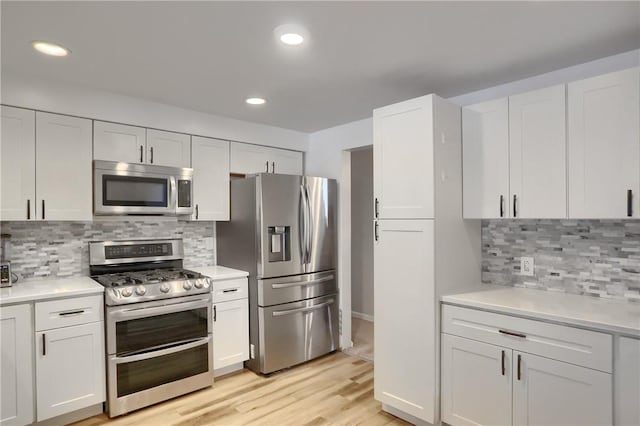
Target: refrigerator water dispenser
279	243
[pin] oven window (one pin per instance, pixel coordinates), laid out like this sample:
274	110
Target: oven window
148	332
145	374
134	191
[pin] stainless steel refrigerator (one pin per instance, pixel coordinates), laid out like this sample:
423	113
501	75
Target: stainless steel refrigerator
283	231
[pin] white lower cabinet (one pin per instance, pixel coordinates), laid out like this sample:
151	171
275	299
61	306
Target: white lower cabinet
496	384
476	382
16	366
231	333
549	392
70	360
230	324
626	393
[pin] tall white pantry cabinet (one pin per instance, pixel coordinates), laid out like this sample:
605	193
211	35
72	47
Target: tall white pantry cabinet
422	249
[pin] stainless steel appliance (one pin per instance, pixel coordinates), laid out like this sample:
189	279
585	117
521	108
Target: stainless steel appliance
283	232
141	189
158	322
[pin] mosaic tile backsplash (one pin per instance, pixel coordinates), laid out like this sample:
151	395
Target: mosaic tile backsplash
591	257
41	250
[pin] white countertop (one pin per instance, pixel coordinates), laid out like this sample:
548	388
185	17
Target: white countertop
219	273
614	316
32	291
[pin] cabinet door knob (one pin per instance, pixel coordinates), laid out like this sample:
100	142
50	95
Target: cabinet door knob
273	167
141	154
376	236
515	203
376	208
503	367
197	212
44	344
28	209
630	203
215	313
42	209
267	164
151	150
501	205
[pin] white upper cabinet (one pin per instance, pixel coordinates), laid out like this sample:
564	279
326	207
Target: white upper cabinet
210	163
63	165
604	146
18	164
285	162
248	159
537	153
118	142
131	144
16	366
168	148
485	160
403	160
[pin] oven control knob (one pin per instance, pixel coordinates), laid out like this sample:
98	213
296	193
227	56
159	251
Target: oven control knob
198	284
126	292
165	288
140	290
186	285
207	283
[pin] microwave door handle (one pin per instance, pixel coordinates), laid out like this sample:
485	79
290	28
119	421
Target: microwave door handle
173	204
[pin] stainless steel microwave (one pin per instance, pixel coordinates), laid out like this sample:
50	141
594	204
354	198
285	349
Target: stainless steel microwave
141	189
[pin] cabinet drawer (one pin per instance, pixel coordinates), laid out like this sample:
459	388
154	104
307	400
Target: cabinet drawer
66	312
226	290
573	345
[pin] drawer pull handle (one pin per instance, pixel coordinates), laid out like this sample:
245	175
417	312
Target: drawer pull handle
230	290
519	365
64	314
503	367
511	333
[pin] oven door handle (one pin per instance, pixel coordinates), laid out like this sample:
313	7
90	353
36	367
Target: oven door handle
158	310
161	352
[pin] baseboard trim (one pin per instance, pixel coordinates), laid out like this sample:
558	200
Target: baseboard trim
228	369
362	316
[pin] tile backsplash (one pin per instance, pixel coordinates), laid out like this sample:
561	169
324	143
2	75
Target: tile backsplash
591	257
41	250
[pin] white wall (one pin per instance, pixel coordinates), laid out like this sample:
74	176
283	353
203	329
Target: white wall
324	157
361	231
99	104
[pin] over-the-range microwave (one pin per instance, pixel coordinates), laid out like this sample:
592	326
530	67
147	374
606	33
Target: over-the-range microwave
141	189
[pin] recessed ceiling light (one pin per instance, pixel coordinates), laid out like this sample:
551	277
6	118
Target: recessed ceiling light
255	101
292	39
50	48
291	34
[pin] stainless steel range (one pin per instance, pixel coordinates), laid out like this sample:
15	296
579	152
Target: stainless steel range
158	322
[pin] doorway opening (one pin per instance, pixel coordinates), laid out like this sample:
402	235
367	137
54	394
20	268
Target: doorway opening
362	314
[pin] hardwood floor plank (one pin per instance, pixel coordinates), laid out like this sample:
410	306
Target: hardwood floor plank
334	390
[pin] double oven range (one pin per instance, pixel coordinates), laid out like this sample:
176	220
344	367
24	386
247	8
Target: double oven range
158	322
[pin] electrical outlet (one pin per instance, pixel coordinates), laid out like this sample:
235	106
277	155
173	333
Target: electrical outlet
526	266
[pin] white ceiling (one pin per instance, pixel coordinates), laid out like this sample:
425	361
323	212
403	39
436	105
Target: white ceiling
209	56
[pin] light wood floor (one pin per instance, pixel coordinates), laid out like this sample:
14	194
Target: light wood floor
334	390
362	337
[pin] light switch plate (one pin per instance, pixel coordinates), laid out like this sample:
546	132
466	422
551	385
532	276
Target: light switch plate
526	266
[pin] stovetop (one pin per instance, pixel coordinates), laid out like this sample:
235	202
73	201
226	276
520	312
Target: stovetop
152	276
152	284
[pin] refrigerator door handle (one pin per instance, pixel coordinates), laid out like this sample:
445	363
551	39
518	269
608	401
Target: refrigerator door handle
303	228
309	225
